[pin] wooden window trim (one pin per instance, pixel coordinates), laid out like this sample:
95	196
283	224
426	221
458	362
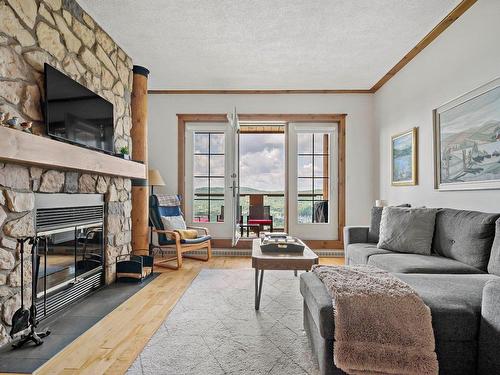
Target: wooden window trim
182	119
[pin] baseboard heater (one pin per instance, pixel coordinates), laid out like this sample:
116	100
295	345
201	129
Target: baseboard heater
327	253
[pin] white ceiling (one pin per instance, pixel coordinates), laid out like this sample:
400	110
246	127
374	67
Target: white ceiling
267	44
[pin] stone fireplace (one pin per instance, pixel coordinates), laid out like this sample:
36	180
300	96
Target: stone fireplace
17	216
60	33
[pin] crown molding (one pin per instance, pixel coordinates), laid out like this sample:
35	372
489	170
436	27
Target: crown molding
259	92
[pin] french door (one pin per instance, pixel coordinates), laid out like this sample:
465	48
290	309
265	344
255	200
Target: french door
212	177
234	129
313	180
313	208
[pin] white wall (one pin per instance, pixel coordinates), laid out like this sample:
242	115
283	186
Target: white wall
464	57
359	134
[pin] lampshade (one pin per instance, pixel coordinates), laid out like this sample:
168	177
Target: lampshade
154	178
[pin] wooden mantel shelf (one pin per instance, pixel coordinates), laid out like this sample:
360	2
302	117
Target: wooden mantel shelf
20	147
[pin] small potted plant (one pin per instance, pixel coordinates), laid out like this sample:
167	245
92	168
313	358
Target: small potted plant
124	153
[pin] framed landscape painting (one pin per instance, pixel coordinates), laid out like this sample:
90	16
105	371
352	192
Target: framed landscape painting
404	155
467	140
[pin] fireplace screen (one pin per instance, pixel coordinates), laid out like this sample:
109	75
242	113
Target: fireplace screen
67	254
70	250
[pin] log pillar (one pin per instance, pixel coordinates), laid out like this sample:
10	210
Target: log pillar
139	134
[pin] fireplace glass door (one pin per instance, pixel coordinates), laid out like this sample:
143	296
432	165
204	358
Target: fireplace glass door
68	257
89	253
57	260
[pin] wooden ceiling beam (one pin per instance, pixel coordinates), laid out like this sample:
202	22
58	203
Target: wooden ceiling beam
428	39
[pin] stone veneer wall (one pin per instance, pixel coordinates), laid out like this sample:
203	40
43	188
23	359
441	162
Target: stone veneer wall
60	33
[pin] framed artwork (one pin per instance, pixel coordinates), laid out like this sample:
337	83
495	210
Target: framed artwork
404	156
467	140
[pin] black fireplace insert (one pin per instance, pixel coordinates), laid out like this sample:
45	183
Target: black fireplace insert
71	248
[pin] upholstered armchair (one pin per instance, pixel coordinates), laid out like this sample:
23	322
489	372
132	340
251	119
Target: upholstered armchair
167	239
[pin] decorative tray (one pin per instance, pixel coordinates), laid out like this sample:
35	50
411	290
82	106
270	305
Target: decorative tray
281	243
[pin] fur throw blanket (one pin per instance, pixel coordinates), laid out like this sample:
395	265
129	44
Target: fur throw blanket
381	325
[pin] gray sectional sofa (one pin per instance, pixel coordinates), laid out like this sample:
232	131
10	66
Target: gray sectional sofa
460	282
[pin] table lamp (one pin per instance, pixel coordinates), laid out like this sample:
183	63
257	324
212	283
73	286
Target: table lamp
155	179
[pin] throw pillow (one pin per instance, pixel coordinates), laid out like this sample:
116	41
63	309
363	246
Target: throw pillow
188	234
466	236
407	230
374	231
494	263
173	222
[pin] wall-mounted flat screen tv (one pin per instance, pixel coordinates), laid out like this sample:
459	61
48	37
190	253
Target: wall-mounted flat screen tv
76	114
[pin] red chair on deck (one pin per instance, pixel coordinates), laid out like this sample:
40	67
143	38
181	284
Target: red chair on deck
261	216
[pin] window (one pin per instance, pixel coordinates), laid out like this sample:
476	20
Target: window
208	179
313	178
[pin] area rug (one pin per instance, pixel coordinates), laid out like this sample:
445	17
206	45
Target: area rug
214	329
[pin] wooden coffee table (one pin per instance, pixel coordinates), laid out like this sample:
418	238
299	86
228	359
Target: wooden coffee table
278	261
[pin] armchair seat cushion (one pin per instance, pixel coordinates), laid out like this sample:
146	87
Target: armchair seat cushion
197	240
260	221
164	242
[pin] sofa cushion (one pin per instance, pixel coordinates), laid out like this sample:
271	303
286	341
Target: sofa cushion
416	263
374	231
318	302
376	215
358	253
355	235
466	236
457	357
407	230
489	335
454	300
494	263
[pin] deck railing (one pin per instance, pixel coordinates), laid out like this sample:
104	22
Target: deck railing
276	201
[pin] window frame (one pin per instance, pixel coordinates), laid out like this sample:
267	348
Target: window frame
313	177
209	176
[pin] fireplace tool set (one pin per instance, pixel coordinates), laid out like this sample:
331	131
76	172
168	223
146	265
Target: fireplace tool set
24	319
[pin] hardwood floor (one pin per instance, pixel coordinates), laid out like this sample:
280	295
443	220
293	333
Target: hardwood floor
112	345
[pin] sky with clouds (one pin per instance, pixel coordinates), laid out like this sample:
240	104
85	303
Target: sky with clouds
262	161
